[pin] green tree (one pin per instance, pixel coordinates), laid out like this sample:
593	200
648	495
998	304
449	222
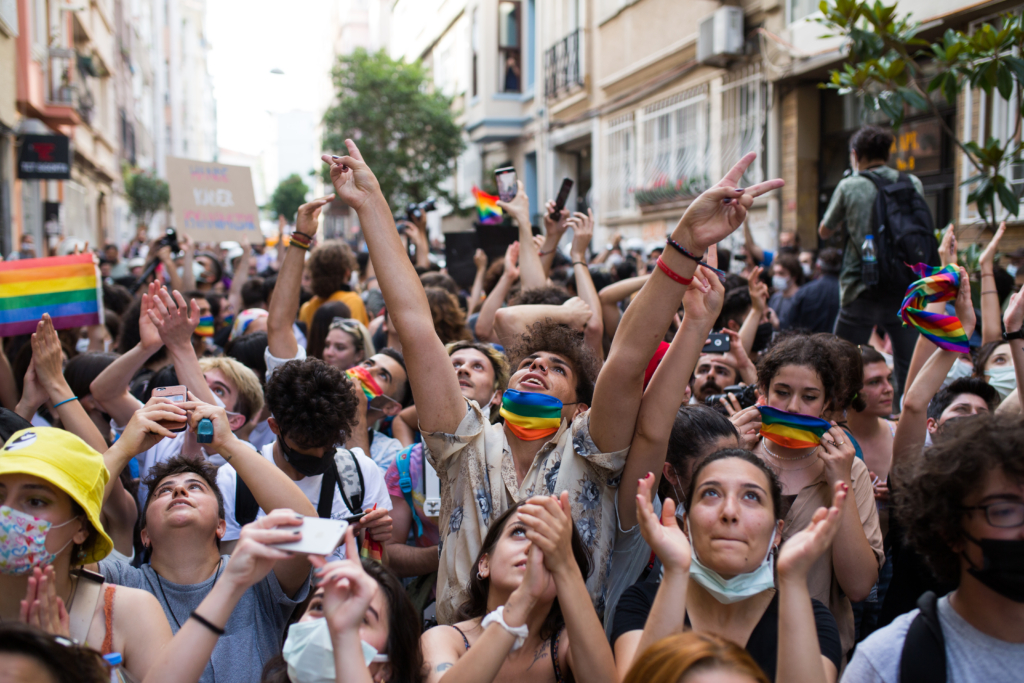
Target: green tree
289	195
406	133
886	67
147	194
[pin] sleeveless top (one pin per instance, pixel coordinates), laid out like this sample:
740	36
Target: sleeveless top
554	650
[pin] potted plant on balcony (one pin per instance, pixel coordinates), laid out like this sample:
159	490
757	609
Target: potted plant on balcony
665	191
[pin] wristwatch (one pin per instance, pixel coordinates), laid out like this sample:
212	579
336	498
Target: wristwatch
1010	336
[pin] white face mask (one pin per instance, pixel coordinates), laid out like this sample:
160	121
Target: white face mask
739	587
1012	270
806	267
486	408
1003	380
959	370
780	282
82	345
309	653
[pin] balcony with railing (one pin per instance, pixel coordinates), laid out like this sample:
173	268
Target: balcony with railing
563	72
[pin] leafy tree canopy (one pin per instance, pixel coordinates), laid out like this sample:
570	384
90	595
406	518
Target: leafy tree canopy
147	194
289	195
406	133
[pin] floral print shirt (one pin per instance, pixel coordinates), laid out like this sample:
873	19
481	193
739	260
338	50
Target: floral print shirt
478	483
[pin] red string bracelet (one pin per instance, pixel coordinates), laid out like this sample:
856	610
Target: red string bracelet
674	275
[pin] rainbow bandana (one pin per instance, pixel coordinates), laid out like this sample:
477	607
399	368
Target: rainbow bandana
531	416
205	327
362	376
791	430
936	284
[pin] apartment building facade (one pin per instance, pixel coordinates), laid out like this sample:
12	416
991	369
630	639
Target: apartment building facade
644	103
98	75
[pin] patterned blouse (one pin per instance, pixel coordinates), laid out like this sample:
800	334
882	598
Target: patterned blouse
478	484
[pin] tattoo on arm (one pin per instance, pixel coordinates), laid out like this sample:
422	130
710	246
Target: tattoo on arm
444	666
540	654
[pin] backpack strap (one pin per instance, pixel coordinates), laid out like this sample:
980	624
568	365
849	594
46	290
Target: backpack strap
350	480
246	508
87	595
924	650
405	483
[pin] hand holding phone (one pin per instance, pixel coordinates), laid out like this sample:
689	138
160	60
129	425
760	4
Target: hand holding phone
717	343
563	196
178	394
507	182
319	536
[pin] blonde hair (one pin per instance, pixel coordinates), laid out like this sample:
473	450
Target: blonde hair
673	659
250	393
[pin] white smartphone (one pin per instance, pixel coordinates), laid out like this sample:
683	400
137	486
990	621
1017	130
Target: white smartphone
319	536
506	181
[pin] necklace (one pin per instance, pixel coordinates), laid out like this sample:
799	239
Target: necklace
764	445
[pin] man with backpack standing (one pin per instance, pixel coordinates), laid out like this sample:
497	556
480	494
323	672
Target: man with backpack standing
885	208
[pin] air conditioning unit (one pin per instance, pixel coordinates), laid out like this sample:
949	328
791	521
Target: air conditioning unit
721	36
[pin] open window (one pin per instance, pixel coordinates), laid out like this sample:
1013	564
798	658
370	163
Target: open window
510	58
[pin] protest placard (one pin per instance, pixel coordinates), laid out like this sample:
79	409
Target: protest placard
213	202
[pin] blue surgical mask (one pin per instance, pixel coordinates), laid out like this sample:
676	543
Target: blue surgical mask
1003	379
309	652
1011	270
739	587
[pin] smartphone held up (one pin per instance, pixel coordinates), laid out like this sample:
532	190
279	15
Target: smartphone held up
178	394
507	183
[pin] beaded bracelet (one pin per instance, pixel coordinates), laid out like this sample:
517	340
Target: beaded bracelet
672	274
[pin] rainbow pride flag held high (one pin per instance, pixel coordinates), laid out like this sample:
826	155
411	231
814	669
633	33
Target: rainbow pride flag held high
936	284
791	430
66	287
531	416
487	206
362	376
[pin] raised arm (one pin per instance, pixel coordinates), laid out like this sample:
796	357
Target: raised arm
583	231
753	250
709	219
284	305
270	486
239	277
667	391
610	297
175	320
477	291
758	305
799	651
991	329
924	348
511	321
553	231
533	273
430	370
912	427
110	388
495	300
668	612
1014	320
188	249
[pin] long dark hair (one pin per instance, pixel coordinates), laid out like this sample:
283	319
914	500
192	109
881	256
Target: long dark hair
405	658
476	605
319	326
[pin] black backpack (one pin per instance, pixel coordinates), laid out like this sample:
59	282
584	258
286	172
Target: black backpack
923	659
904	234
344	473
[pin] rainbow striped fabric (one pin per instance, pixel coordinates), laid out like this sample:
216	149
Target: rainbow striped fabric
531	416
67	287
364	379
936	284
205	326
791	430
487	206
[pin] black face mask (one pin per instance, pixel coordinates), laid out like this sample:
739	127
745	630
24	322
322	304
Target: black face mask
1002	567
763	336
307	465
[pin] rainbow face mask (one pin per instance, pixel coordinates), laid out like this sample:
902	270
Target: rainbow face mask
205	327
531	416
361	376
791	430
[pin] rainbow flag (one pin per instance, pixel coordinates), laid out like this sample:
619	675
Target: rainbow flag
362	377
205	326
67	287
791	430
936	284
487	206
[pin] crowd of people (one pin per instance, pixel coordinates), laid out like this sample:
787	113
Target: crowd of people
662	465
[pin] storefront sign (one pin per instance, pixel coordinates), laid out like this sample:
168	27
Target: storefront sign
917	147
213	202
44	157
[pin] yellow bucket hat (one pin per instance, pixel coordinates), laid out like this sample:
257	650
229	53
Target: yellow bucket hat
71	465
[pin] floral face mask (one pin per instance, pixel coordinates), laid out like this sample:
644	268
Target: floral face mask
23	541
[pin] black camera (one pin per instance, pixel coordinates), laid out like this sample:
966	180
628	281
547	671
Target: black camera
170	239
746	395
414	211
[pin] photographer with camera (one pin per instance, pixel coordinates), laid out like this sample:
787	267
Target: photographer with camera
721	372
414	230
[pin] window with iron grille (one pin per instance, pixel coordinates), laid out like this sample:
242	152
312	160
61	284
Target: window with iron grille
562	72
620	159
675	138
743	117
